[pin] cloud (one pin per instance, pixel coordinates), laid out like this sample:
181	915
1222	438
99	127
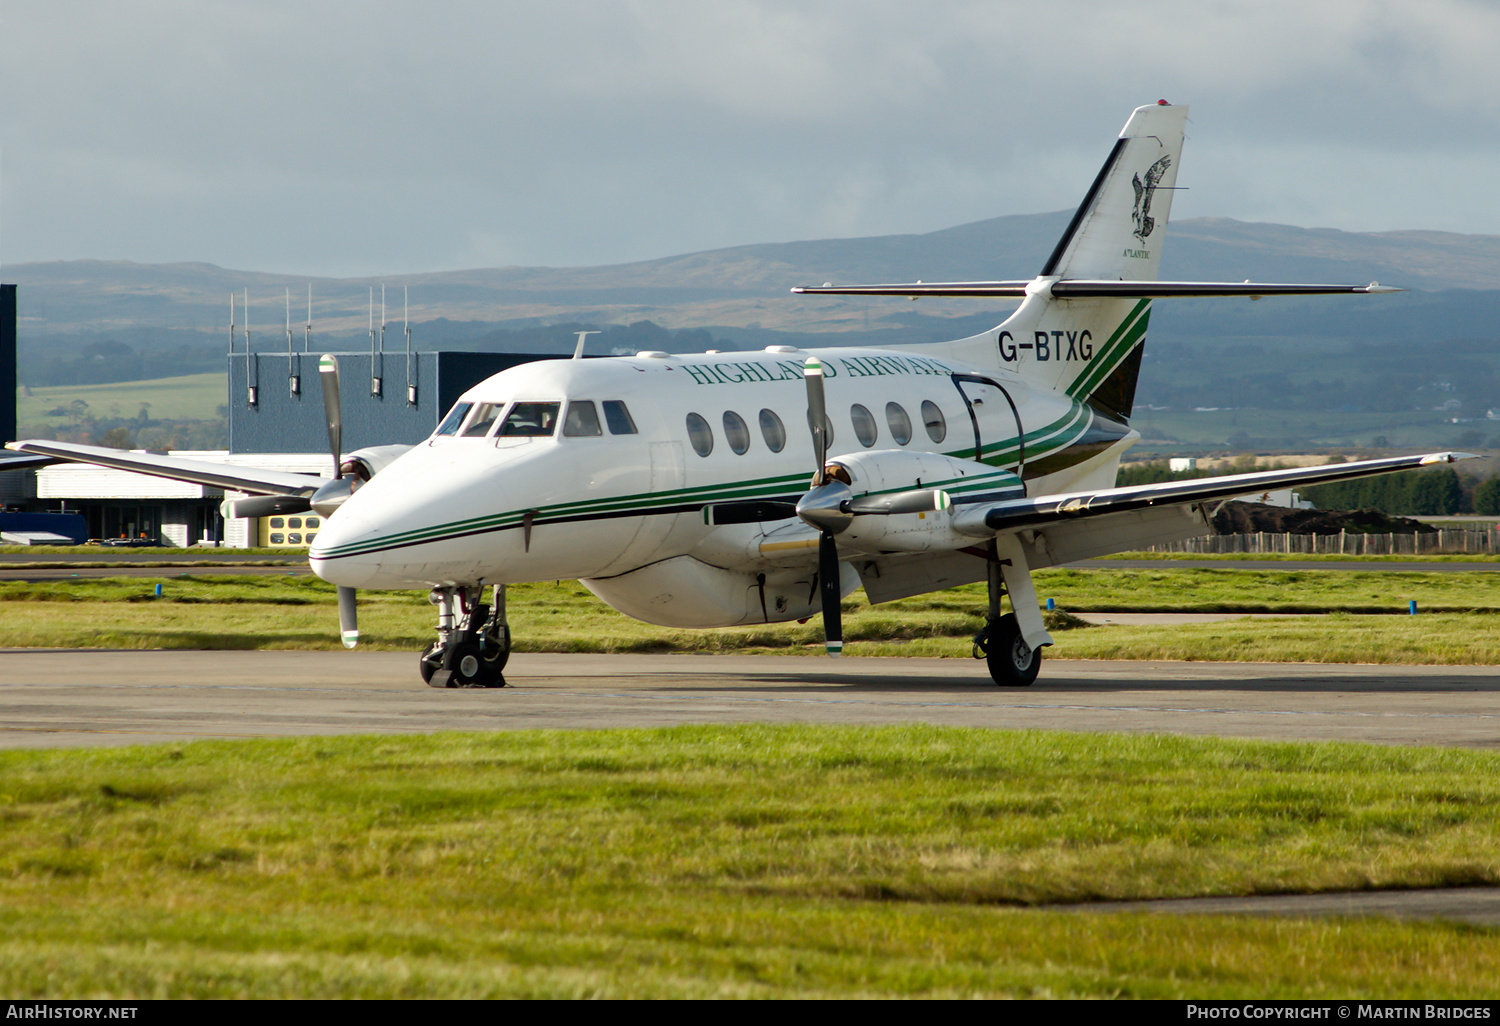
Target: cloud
395	136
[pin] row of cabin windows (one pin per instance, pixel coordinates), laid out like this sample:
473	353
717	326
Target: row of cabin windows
536	419
773	431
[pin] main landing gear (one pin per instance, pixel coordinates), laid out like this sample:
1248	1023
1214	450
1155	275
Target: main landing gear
1011	661
473	641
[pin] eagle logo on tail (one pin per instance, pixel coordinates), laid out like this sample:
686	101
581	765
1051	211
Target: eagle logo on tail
1141	215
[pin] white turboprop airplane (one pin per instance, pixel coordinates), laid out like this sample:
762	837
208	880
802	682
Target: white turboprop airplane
675	487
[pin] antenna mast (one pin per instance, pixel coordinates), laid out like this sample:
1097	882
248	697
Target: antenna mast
252	365
293	365
374	374
411	385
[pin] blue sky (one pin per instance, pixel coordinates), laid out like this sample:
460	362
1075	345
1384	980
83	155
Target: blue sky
391	137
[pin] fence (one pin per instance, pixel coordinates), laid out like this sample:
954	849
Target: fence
1345	543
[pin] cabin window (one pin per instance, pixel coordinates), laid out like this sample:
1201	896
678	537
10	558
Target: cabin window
582	420
455	417
531	420
772	430
313	522
933	421
827	428
484	418
700	434
618	418
864	425
899	423
736	433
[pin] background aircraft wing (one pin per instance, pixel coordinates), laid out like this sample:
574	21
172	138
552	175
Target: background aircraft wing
1039	511
218	475
8	462
1091	288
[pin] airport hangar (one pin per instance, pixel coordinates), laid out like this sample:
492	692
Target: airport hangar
276	421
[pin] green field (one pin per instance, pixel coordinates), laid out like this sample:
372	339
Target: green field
745	861
194	397
1364	617
748	861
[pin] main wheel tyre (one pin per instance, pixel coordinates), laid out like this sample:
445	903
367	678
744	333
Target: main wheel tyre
1012	662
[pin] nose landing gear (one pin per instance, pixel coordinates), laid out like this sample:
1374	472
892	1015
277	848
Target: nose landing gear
473	643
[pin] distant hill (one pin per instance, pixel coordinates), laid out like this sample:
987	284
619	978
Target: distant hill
739	287
1349	364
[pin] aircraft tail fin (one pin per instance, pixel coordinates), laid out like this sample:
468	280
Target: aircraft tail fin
1083	336
1091	347
1082	321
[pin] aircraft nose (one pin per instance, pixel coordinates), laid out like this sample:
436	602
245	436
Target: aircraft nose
340	554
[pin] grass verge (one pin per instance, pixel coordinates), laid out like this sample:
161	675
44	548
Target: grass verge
730	861
298	612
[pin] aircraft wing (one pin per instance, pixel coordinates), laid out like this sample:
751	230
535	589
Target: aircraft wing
1040	511
218	475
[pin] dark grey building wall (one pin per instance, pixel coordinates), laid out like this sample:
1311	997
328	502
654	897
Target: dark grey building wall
281	422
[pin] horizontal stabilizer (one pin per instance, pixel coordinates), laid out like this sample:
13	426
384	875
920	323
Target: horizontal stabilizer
1081	288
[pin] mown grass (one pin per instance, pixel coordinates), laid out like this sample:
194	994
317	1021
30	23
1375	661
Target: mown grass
731	861
1306	557
1456	626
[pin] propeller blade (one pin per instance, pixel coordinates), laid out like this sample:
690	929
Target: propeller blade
817	414
828	585
749	512
264	506
919	500
328	371
348	618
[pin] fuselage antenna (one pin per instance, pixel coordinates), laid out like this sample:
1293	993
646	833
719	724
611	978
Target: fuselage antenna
582	338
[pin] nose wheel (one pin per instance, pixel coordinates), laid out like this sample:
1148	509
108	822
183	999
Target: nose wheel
473	643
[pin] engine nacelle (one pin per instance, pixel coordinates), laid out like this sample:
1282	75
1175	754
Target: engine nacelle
894	471
372	459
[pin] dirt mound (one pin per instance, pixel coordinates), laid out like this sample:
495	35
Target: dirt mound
1250	517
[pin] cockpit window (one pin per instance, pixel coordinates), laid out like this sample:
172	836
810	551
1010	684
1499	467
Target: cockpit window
531	419
455	417
484	418
582	419
618	418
